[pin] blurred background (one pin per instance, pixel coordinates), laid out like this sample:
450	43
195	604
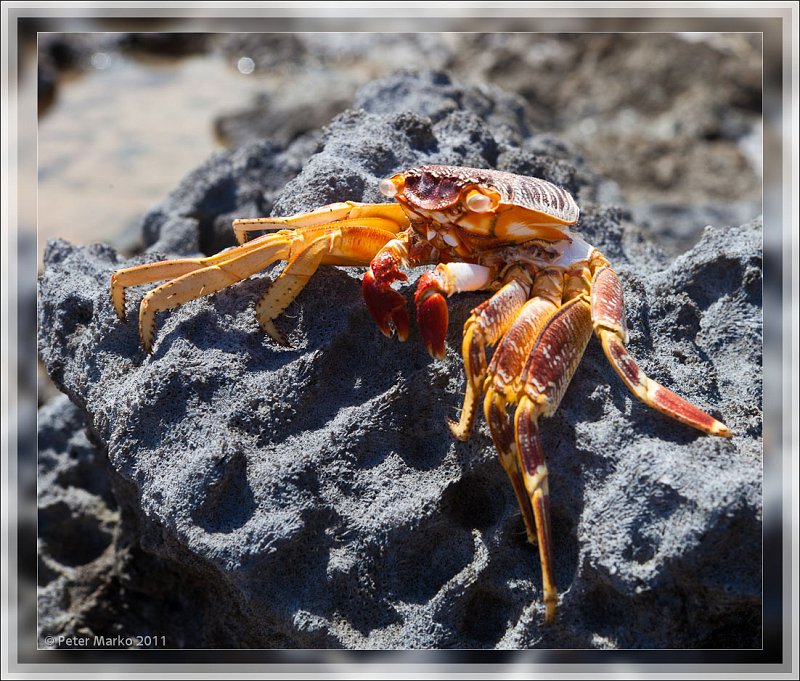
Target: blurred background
125	110
674	119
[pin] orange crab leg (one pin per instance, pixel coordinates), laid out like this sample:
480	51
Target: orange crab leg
503	385
348	241
206	281
390	213
555	356
488	323
345	245
287	287
169	269
384	216
609	324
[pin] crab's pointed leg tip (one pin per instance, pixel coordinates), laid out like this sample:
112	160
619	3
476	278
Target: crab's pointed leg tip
268	325
457	431
721	430
146	341
119	311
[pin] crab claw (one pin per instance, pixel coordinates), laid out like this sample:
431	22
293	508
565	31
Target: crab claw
387	306
432	313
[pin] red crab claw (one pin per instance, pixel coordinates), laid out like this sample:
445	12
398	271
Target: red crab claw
383	302
432	312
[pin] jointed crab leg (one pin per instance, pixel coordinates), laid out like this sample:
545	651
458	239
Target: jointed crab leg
351	242
609	324
504	380
169	269
485	326
553	360
348	241
287	286
206	281
333	212
385	216
338	243
504	386
434	286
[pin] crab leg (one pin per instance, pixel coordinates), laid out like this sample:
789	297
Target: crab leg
555	356
287	287
385	216
485	326
364	237
503	386
445	280
347	245
204	282
333	212
608	317
169	269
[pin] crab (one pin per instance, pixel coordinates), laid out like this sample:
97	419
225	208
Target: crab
485	230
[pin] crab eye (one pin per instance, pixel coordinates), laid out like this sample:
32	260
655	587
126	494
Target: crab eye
479	203
387	188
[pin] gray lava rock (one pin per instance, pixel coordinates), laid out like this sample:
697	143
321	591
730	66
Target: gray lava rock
317	487
94	579
322	72
78	519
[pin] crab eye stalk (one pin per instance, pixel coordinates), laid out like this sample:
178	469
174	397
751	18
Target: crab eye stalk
388	188
479	203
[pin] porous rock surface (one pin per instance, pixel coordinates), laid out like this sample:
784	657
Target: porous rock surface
314	495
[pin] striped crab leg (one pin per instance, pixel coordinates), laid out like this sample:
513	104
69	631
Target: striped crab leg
487	324
338	234
504	386
556	354
608	318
